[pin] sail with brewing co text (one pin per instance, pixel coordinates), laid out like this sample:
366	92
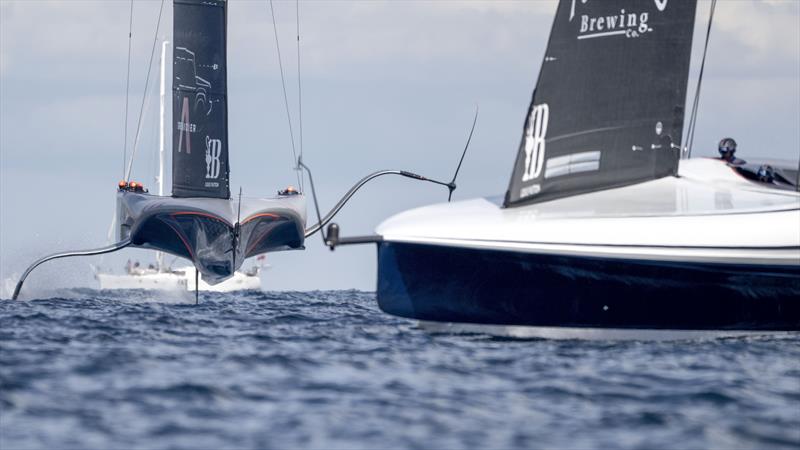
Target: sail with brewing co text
199	100
608	108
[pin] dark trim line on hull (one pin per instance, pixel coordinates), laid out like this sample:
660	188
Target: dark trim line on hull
447	284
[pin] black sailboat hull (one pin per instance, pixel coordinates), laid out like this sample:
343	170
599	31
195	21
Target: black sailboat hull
217	235
494	287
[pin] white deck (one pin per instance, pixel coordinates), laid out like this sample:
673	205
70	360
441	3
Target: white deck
709	213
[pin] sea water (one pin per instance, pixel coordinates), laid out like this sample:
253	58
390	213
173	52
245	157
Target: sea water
101	369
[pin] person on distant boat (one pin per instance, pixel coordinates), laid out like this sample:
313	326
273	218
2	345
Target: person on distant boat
727	149
289	191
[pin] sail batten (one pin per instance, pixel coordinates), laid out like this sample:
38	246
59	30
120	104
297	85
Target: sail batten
608	106
199	101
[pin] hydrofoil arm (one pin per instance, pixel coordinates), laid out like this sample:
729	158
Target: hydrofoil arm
98	251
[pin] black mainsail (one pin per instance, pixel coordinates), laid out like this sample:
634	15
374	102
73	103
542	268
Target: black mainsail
608	107
199	100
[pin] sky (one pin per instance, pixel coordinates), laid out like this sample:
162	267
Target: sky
385	85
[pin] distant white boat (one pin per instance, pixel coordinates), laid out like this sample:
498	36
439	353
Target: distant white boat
183	278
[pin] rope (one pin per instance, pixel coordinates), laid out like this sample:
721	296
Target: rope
283	83
127	92
696	103
299	86
144	94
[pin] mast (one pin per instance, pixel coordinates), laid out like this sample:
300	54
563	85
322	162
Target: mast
162	124
161	137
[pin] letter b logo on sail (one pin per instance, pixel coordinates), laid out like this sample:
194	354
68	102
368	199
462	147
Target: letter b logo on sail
213	152
535	135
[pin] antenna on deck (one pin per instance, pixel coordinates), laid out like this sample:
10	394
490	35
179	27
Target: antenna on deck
452	185
239	212
237	229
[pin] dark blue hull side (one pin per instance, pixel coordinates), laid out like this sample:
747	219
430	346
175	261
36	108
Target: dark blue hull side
449	284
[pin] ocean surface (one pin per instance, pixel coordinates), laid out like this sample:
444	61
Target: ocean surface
105	370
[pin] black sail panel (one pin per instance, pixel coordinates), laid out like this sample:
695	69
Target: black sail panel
609	103
199	100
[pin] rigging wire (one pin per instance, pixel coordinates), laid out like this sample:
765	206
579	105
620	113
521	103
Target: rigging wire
328	217
696	103
144	94
316	203
299	89
127	92
283	83
322	221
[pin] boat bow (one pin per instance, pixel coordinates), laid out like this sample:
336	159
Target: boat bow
208	232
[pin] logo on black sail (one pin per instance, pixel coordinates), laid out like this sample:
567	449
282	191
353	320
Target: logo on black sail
213	152
628	23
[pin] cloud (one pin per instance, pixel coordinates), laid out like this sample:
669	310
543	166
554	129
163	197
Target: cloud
752	38
357	39
88	40
79	40
84	39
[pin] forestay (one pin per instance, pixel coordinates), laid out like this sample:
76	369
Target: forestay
608	107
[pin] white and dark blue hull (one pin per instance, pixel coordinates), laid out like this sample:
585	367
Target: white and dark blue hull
496	287
671	254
